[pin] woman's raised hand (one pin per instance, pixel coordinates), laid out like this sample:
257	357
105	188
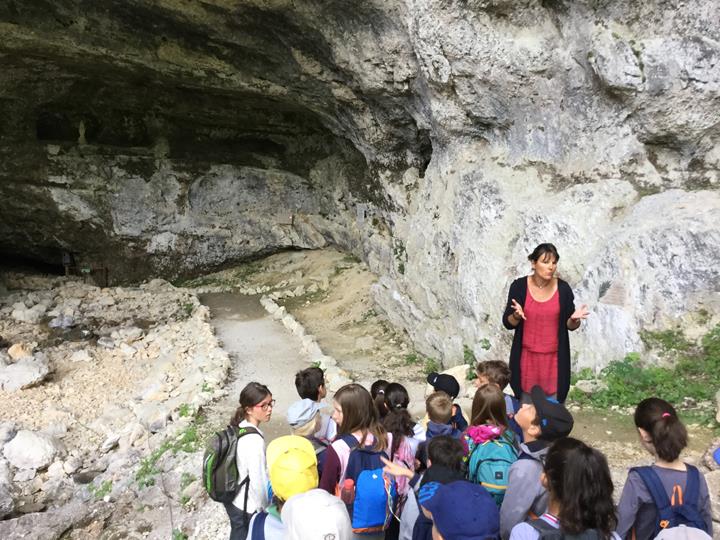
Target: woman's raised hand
518	310
580	314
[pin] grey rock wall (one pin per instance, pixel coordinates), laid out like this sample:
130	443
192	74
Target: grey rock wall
438	139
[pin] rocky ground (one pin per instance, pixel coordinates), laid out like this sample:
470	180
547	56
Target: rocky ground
108	394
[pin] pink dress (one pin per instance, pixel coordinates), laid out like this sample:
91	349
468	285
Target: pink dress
539	359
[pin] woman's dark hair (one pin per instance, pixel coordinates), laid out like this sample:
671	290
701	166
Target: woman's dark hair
251	395
540	251
397	419
308	382
377	391
667	432
488	407
579	480
360	414
446	451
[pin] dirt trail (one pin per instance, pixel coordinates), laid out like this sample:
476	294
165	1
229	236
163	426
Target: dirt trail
262	350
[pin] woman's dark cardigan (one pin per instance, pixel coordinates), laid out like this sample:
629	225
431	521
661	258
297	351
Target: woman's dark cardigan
518	292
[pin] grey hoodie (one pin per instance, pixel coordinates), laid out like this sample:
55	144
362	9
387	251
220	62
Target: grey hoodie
524	493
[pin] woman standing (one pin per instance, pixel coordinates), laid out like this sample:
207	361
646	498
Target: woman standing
541	309
256	405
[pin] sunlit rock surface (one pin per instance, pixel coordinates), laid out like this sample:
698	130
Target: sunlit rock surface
438	140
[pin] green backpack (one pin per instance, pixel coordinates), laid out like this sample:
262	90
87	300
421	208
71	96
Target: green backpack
220	473
489	464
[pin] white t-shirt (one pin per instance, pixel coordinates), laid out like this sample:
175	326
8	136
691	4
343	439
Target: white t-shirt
250	457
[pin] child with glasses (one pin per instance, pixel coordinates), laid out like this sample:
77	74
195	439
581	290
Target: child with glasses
256	405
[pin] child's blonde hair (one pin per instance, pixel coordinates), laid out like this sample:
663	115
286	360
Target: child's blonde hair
309	428
439	407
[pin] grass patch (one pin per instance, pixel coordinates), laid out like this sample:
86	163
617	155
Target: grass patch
431	366
412	359
184	410
100	491
177	534
693	378
188	441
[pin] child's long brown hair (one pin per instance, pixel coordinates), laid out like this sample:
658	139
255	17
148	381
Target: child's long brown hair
360	414
488	407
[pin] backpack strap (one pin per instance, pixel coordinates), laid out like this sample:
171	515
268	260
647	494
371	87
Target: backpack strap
258	531
545	530
654	486
692	486
657	491
350	440
247	430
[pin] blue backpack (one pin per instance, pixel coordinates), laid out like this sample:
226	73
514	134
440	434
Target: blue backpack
683	508
489	464
375	492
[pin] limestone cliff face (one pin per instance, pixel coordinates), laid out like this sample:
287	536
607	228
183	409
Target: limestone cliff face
439	140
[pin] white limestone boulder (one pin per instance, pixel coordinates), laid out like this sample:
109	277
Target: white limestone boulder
30	450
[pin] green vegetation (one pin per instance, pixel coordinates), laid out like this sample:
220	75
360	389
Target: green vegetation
431	365
205	387
469	358
100	491
188	441
316	364
184	410
411	359
177	534
187	308
693	378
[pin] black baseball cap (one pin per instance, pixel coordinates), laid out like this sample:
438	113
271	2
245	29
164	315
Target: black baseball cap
556	421
444	383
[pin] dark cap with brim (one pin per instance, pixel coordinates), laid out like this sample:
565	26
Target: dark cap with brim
555	420
444	383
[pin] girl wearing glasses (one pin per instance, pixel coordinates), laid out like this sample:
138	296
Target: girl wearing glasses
256	405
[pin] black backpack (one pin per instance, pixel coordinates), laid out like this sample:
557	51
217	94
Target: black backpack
220	473
548	532
683	509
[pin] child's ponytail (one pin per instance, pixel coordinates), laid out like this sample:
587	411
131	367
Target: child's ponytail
660	420
397	419
377	392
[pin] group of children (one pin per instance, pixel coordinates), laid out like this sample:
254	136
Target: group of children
509	470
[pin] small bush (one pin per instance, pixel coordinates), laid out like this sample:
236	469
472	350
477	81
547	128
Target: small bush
431	366
695	374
